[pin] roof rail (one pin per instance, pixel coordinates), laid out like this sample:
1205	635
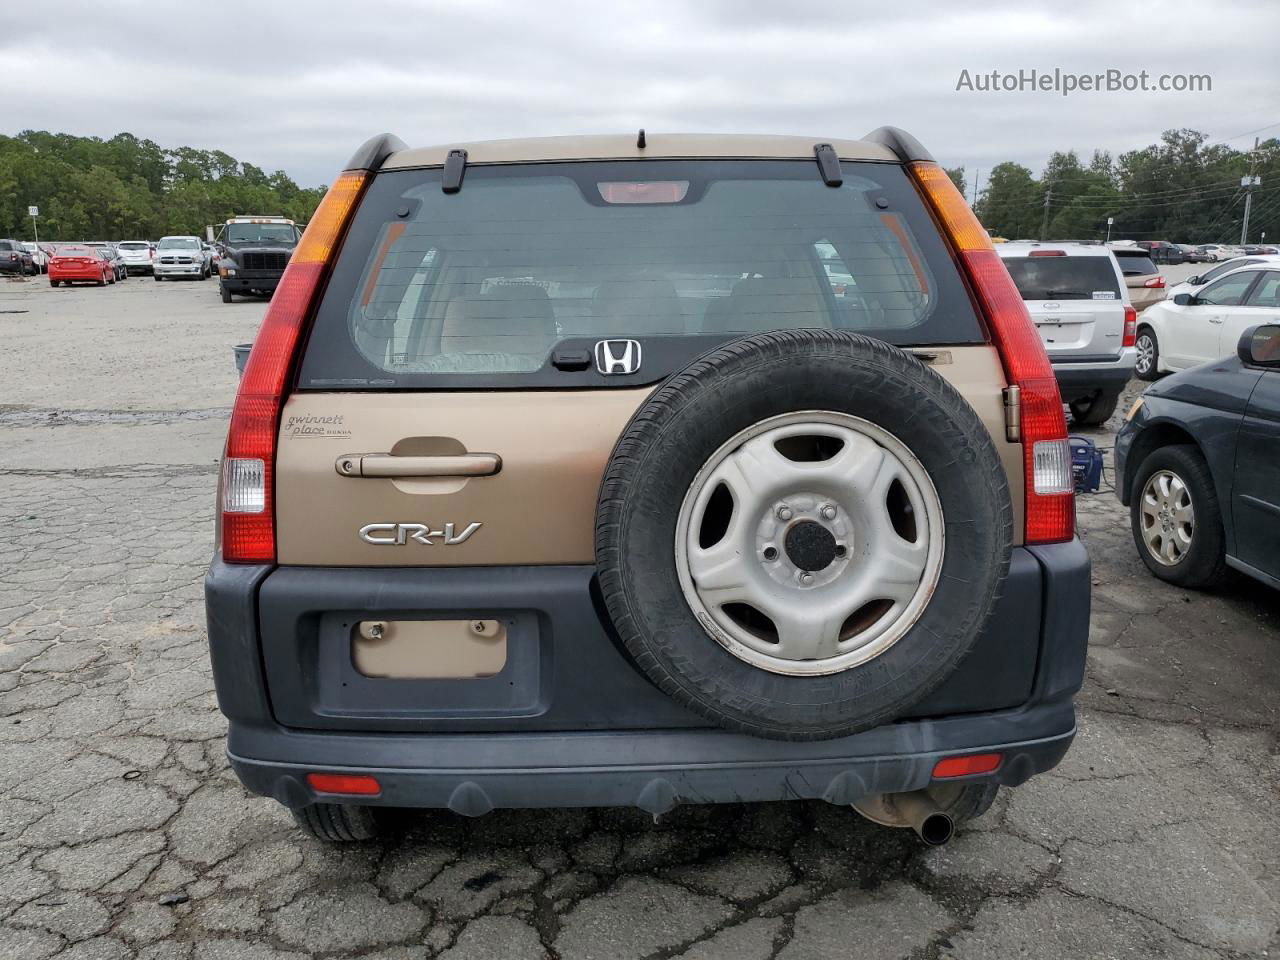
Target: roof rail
374	152
906	147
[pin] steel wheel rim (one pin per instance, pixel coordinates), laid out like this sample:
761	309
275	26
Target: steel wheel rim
881	515
1167	518
1146	353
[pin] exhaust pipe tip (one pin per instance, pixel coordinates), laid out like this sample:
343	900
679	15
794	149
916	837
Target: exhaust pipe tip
935	829
916	810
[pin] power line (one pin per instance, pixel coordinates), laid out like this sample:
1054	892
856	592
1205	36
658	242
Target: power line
1223	213
1102	203
1210	143
1121	204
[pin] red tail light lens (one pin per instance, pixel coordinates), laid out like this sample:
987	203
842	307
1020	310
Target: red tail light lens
1156	283
248	508
1130	327
1050	503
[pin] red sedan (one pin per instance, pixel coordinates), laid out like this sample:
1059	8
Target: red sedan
77	262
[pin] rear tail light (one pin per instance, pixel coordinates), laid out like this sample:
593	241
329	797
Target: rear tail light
1050	503
966	766
248	514
1155	282
1130	327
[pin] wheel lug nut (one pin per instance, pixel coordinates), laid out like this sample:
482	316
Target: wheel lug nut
784	513
828	512
806	579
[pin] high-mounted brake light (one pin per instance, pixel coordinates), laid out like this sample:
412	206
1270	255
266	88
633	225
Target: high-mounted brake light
1130	327
649	191
248	469
1047	253
1050	504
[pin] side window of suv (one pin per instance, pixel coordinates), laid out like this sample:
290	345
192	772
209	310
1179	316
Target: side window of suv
1229	291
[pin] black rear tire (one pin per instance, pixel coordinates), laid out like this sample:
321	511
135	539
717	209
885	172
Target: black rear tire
1148	370
744	383
1204	564
973	801
1095	412
337	822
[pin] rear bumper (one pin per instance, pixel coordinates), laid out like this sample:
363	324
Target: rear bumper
517	763
243	284
84	276
1076	378
473	774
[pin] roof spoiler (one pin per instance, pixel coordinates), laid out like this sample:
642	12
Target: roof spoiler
374	152
906	147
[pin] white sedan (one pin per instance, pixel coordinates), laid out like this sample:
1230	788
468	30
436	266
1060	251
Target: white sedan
1194	328
1208	275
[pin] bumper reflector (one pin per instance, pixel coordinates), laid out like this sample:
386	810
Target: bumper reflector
350	784
967	765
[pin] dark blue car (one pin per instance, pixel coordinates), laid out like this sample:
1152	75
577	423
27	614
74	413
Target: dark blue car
1198	465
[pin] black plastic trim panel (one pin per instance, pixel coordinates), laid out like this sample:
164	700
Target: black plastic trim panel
373	153
905	147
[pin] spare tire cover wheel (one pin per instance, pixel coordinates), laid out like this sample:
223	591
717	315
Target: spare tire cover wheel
802	533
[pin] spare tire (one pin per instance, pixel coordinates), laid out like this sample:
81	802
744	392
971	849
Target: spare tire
802	533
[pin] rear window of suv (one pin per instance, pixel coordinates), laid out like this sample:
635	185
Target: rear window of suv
480	288
1064	278
1135	264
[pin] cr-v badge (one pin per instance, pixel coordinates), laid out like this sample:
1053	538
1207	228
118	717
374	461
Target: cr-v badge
398	534
617	356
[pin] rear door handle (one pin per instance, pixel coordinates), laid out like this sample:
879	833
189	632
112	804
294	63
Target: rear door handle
389	465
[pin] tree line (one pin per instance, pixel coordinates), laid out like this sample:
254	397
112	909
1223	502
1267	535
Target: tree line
1185	189
126	188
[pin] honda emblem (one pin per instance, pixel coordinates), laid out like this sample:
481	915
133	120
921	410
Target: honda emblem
614	357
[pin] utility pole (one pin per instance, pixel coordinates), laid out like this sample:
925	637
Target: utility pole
1249	183
1044	221
977	180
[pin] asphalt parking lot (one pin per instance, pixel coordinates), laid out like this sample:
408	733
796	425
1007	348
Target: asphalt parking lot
123	833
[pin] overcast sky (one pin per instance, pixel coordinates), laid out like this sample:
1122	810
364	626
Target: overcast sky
297	86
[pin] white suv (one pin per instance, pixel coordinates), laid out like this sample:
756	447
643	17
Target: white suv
137	255
1077	297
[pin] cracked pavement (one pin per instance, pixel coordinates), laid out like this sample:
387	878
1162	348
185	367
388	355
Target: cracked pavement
123	832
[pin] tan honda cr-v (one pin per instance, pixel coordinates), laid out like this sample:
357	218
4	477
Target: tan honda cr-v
645	471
